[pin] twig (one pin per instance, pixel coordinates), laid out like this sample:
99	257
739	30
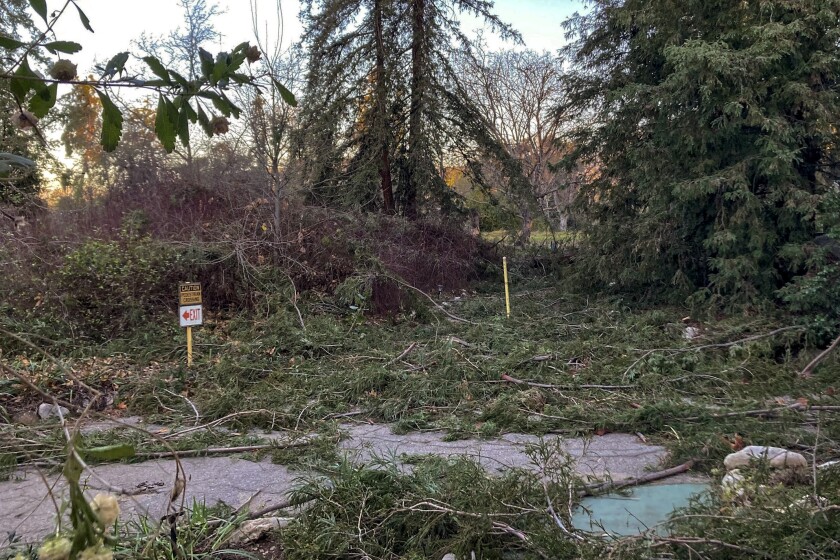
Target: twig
343	414
506	377
436	304
701	540
215	422
555	517
761	412
277	507
189	402
809	369
592	489
221	450
405	353
628	370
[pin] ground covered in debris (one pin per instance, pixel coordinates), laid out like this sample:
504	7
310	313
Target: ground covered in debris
447	428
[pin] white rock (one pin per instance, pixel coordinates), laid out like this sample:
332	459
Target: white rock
691	332
448	556
733	485
732	480
46	410
255	529
779	458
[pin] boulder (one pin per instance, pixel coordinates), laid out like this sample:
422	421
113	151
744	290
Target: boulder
777	457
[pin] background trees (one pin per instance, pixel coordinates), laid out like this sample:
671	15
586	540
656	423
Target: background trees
383	105
714	137
518	94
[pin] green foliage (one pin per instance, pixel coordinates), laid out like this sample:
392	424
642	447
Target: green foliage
714	144
816	295
111	286
373	133
181	99
439	507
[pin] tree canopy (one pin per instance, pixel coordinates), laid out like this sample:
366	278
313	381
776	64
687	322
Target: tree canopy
383	104
712	126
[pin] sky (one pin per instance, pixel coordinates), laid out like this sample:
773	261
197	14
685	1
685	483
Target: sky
117	22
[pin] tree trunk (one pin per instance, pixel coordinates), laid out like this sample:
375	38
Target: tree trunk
527	224
382	113
415	120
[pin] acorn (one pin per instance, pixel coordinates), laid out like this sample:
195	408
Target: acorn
24	120
63	70
220	125
253	54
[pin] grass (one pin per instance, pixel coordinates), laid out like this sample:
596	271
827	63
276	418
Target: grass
591	365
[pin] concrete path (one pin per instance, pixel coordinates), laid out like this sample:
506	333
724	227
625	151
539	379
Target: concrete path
27	511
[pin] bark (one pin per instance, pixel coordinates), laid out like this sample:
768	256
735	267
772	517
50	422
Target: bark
381	109
527	226
415	120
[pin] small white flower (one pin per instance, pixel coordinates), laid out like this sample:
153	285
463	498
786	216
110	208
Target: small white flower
55	549
106	508
97	552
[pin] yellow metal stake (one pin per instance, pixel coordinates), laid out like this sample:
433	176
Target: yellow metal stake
189	346
507	291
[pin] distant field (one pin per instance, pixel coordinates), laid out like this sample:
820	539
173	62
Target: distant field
542	237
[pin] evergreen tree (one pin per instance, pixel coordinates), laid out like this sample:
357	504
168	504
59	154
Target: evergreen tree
713	128
383	103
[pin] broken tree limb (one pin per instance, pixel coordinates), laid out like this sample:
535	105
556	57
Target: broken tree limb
220	450
404	353
762	412
591	489
508	378
439	307
809	369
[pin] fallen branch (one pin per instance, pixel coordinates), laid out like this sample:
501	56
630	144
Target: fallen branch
216	422
707	346
591	489
508	378
809	369
404	353
761	412
436	304
219	450
686	541
741	341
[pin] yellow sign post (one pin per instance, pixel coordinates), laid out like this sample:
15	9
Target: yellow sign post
189	346
189	311
507	290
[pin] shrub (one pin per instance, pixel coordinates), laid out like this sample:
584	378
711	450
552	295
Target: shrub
106	287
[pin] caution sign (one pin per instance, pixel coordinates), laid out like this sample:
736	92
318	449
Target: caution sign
189	293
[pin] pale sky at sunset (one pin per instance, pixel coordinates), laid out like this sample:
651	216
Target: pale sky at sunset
117	22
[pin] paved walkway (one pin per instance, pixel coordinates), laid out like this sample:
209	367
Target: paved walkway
27	511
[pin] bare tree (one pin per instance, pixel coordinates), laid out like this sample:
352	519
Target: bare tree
270	120
179	49
517	93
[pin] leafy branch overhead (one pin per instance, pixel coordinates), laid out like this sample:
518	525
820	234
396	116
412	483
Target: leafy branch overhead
181	101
